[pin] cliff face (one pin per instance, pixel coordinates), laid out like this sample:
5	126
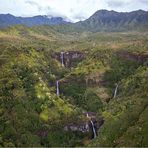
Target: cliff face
85	124
140	58
70	58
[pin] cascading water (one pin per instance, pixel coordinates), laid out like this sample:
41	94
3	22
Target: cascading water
94	131
93	127
62	58
57	87
87	115
115	92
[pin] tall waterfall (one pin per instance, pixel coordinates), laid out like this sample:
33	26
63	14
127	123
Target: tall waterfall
93	127
57	88
94	131
115	92
62	58
87	115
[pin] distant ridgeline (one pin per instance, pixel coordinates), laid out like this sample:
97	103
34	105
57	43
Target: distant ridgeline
102	20
9	20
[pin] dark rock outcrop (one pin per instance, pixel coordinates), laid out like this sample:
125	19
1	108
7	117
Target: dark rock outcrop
83	127
86	126
135	57
70	58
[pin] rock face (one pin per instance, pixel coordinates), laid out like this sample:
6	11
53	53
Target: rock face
97	121
70	58
133	56
85	127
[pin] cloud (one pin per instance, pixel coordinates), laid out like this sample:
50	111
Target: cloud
79	17
32	3
116	3
144	1
75	10
45	9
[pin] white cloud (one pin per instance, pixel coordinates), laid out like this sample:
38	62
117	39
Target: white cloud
73	9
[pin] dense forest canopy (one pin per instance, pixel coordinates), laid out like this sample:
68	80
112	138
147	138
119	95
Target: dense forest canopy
67	88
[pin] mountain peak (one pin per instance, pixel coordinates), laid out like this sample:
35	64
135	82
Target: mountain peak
104	20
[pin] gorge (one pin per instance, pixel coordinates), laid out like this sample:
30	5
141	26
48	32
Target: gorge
67	59
73	89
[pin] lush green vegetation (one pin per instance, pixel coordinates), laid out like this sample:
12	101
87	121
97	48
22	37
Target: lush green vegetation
31	114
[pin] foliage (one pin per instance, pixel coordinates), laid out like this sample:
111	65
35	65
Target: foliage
31	114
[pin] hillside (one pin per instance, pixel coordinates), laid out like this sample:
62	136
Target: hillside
104	20
59	89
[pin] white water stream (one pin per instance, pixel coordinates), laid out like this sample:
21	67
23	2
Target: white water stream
62	58
57	88
93	127
115	92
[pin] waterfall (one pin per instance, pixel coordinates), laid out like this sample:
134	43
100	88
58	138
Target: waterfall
87	115
62	58
115	92
94	131
57	87
93	127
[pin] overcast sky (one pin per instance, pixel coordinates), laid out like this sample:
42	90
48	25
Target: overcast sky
75	10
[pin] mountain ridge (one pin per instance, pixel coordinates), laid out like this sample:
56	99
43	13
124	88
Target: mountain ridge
101	20
104	20
9	20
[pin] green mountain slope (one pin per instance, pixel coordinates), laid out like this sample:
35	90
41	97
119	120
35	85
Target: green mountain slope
29	108
104	20
31	114
110	21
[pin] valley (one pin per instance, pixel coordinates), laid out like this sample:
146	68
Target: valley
60	89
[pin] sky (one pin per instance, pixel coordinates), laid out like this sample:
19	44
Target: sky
74	10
